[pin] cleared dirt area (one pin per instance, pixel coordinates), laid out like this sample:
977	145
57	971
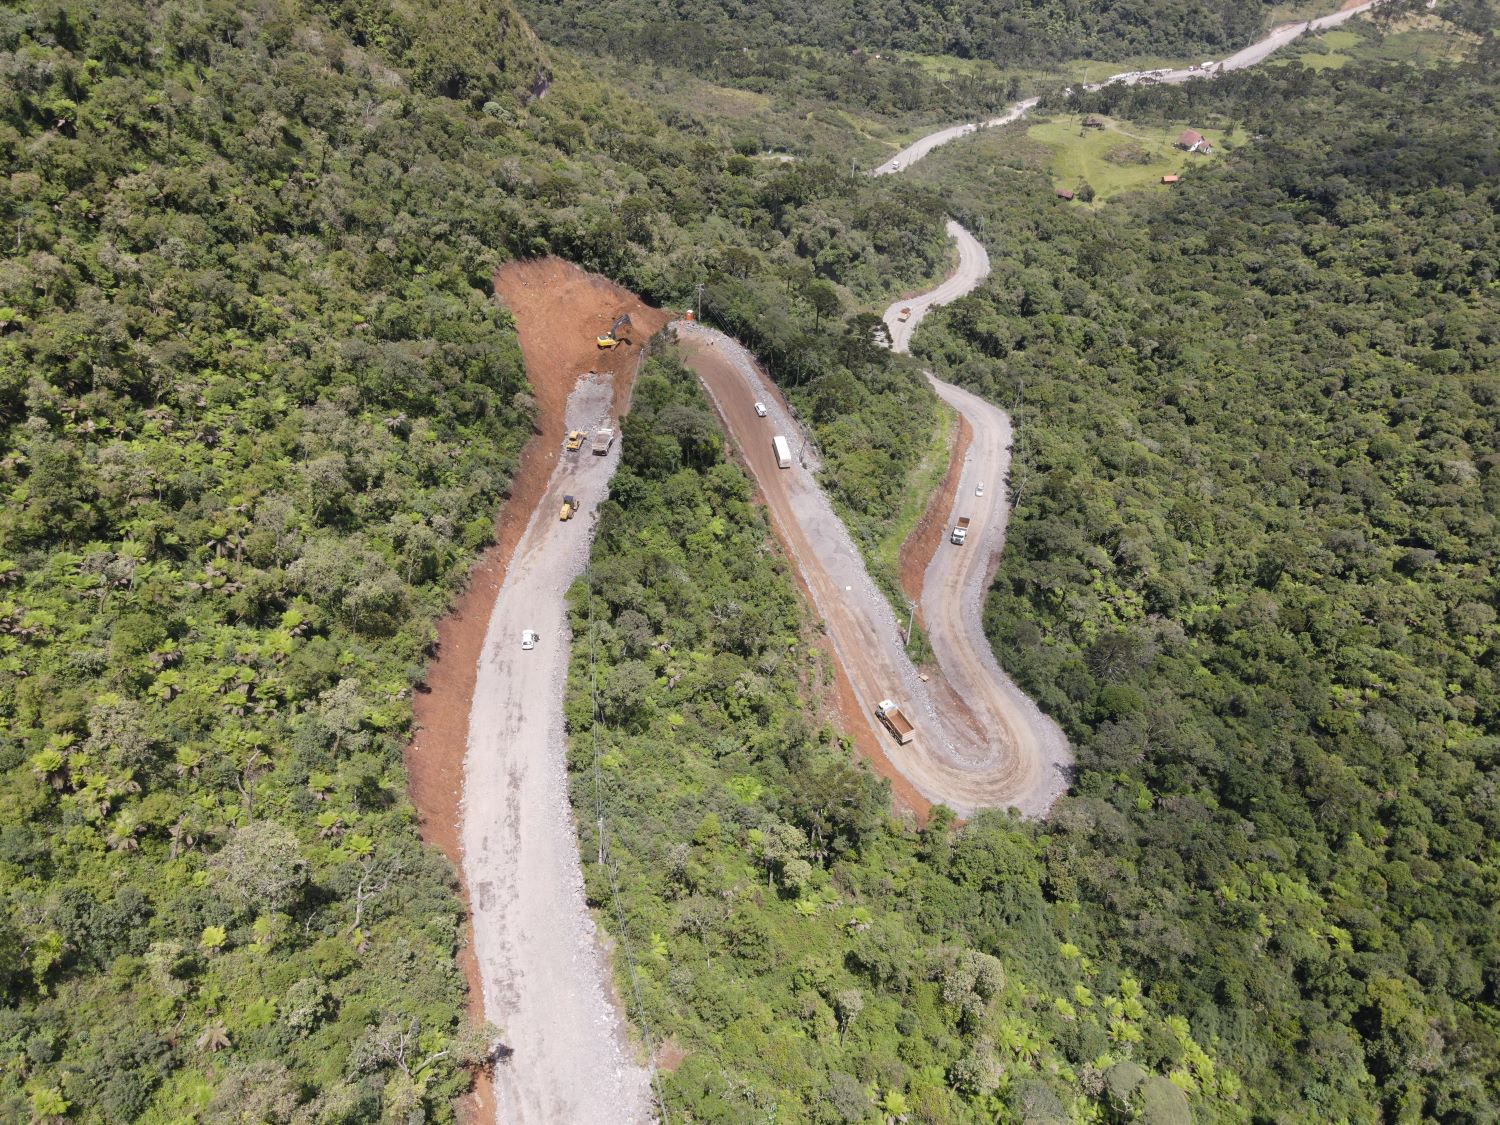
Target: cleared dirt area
559	310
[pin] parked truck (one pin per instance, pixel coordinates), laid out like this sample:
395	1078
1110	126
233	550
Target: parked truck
783	451
895	721
905	315
960	531
604	437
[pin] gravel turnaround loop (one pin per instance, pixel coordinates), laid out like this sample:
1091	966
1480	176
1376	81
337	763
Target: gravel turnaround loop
545	979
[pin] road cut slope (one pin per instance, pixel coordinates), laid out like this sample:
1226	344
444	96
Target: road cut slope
971	752
545	981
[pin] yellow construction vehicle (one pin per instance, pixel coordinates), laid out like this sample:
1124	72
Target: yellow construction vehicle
575	440
569	507
612	338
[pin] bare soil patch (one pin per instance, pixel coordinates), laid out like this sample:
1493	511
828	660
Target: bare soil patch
927	536
559	310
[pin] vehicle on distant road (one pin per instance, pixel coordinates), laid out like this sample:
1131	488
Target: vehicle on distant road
895	721
760	409
783	451
905	315
979	489
529	638
960	531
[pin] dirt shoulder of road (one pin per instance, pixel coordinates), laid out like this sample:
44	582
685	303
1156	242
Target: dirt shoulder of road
559	311
927	536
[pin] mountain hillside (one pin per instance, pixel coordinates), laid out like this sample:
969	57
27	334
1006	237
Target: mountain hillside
258	408
1012	32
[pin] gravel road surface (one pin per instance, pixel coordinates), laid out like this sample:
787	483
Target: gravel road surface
570	1061
923	145
958	581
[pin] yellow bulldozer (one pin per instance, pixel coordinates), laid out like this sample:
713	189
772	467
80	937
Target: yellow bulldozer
613	337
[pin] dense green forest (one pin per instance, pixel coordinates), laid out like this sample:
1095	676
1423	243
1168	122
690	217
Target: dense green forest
709	35
1252	570
257	410
799	955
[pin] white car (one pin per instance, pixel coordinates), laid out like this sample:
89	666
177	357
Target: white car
979	489
760	409
529	637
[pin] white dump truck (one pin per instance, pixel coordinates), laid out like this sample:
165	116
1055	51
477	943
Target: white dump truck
960	531
895	721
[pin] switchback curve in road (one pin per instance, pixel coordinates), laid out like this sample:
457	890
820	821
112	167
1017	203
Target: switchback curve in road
973	267
958	578
972	751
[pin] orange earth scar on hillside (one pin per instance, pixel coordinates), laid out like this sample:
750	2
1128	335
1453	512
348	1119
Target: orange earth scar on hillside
559	311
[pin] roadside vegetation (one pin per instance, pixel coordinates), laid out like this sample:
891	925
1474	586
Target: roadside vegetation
258	407
257	410
1251	569
796	953
742	41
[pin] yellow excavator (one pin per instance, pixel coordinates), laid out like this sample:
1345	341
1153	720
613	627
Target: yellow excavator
613	338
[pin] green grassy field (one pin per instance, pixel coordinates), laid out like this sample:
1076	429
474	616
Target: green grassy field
1418	40
1297	10
1328	51
1120	157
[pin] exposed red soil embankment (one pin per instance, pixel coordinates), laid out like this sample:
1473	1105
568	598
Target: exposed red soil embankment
924	540
559	311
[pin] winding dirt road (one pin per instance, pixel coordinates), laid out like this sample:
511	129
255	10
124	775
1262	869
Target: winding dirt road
1258	51
958	578
973	267
981	746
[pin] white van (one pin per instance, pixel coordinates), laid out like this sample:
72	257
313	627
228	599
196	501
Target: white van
783	451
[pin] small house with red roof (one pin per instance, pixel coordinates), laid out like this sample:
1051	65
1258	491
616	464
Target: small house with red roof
1194	141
